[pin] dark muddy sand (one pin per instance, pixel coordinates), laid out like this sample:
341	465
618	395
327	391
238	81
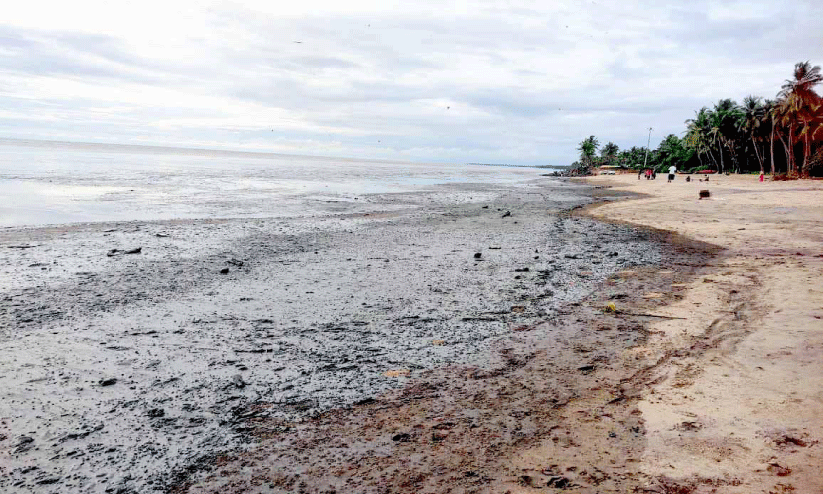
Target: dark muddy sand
397	343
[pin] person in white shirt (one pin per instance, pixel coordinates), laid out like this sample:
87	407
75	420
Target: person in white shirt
672	171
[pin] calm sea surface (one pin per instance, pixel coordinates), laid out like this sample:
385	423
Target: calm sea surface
54	183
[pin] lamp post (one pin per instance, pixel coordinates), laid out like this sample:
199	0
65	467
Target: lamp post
647	148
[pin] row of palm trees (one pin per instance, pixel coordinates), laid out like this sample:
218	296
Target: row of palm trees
732	137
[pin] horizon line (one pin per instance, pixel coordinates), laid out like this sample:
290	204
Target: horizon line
189	150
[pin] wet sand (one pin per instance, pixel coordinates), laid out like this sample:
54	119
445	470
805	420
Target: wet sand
140	356
705	379
381	355
559	381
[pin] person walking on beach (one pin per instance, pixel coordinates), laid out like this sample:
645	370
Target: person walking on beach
672	171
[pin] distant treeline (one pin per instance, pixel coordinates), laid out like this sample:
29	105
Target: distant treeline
779	136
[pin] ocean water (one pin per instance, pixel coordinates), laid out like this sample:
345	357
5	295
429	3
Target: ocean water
45	182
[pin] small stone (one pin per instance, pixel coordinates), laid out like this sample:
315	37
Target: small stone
397	373
108	382
559	483
439	436
478	255
586	369
224	271
779	470
156	413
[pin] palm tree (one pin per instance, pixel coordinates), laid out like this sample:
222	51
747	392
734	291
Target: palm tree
698	136
588	149
785	118
749	124
803	103
725	124
609	152
770	116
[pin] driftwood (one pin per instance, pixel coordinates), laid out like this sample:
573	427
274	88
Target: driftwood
647	315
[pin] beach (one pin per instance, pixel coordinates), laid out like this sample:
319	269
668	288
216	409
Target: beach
718	389
138	352
736	399
599	336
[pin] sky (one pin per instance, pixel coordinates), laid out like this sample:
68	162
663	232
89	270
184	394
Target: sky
492	82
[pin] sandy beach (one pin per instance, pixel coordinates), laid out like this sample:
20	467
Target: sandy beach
736	391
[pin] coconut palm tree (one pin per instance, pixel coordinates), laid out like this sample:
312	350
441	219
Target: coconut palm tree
609	152
725	123
750	123
588	149
787	124
698	136
770	117
802	104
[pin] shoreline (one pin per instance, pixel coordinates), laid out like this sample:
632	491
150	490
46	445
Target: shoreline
122	368
573	398
690	408
466	429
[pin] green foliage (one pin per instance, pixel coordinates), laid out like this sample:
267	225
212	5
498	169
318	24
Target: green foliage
673	152
784	135
588	149
609	150
631	158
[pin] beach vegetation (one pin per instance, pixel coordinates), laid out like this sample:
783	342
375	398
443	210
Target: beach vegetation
781	136
588	149
609	152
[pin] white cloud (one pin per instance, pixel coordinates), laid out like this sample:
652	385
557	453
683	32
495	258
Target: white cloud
462	81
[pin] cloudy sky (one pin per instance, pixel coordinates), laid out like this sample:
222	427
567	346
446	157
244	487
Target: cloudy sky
463	81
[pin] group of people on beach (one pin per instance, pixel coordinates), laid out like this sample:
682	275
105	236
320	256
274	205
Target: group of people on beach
651	174
648	172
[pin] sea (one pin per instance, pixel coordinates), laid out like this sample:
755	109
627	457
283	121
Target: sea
49	182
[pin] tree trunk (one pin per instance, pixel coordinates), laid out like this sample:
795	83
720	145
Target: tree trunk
714	161
722	165
772	149
756	153
807	151
733	157
792	164
787	150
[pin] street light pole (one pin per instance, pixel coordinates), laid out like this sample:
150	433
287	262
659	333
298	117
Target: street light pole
647	148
